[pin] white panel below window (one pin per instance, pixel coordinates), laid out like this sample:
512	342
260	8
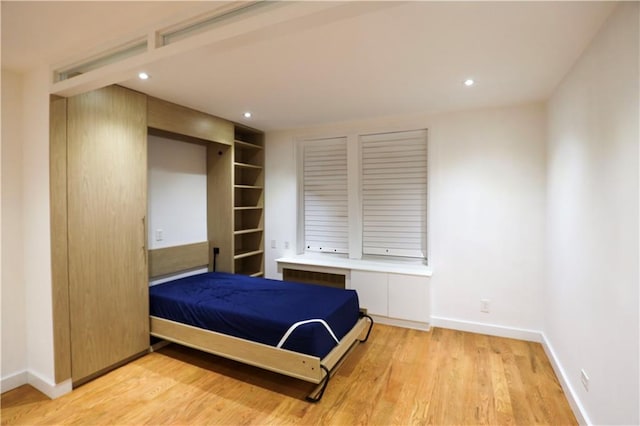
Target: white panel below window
372	291
408	297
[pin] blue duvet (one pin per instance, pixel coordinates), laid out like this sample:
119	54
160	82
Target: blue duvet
258	309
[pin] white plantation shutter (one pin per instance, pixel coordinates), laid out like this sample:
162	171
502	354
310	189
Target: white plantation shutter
325	195
394	193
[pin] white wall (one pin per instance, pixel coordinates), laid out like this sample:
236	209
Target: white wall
27	234
591	301
37	229
177	192
487	215
14	329
486	209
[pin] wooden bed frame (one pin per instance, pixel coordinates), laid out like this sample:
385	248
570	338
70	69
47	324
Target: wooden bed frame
301	366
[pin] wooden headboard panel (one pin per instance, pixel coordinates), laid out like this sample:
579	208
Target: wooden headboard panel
170	260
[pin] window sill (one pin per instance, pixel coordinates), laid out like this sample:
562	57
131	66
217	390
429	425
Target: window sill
357	264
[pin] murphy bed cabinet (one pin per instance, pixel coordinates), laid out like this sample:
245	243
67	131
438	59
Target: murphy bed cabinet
98	145
235	182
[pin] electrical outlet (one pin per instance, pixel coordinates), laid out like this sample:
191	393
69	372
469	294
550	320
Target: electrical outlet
286	245
584	379
273	244
484	305
159	235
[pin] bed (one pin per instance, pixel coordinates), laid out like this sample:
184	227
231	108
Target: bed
300	330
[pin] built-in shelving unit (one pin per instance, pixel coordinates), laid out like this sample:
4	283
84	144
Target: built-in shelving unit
248	202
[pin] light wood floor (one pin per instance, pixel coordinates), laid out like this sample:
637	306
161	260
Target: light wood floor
399	376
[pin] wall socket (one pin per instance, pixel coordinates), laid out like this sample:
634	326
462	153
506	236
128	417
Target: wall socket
159	235
584	379
484	305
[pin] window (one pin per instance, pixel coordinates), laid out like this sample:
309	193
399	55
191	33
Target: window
364	195
325	195
394	193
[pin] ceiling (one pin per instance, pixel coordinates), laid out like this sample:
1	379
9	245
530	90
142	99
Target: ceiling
363	60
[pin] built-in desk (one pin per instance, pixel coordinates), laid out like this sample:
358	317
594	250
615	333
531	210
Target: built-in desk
393	293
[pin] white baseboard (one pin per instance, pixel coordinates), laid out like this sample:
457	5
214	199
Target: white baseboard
490	329
574	401
53	391
13	381
29	377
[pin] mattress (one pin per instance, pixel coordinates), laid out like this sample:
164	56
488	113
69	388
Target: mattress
299	317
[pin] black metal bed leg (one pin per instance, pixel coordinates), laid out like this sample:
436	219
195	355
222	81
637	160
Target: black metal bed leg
310	398
370	327
327	376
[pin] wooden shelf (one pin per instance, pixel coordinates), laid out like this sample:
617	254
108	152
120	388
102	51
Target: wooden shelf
250	273
248	187
248	208
246	145
247	253
247	231
247	166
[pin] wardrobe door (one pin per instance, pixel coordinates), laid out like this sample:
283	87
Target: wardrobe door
107	181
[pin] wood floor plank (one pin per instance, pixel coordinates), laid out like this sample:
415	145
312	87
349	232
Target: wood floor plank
399	377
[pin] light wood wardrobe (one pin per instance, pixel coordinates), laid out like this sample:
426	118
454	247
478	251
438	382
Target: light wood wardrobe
98	157
105	203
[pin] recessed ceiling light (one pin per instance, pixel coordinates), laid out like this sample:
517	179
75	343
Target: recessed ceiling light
469	82
143	76
247	114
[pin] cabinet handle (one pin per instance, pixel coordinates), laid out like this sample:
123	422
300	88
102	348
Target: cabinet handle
144	234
